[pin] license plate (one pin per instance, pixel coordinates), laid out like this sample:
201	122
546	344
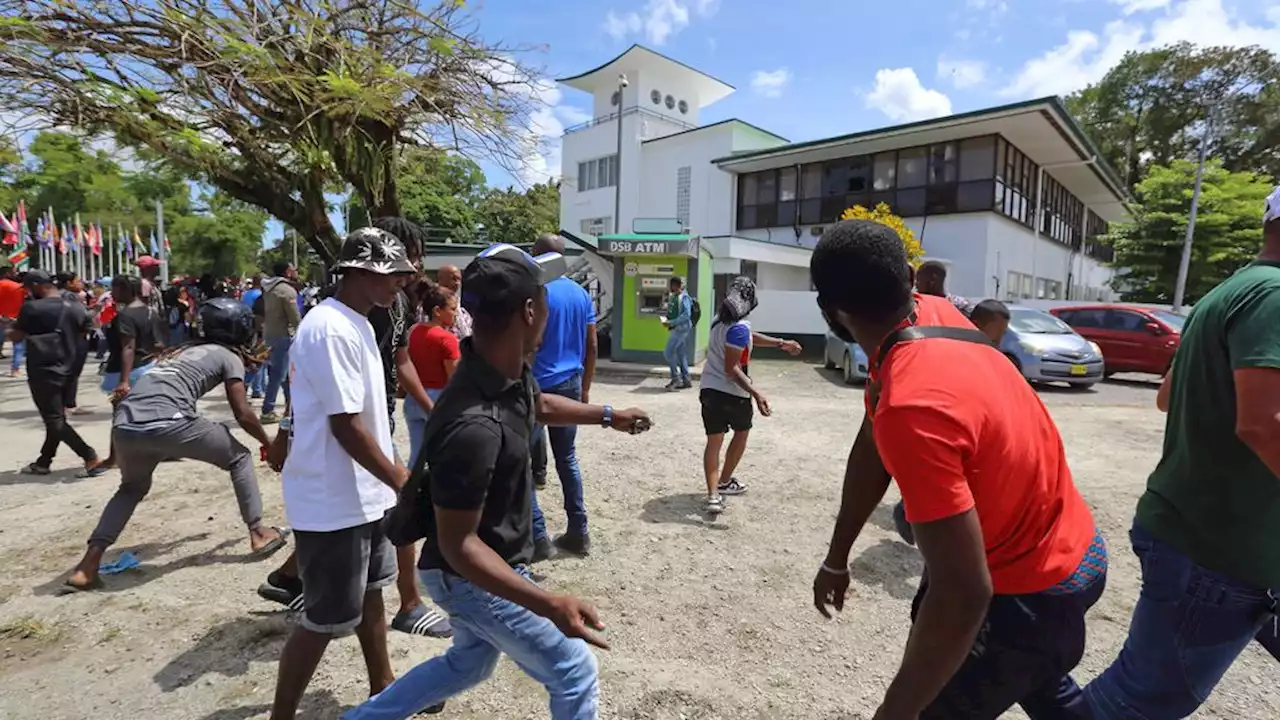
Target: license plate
1079	370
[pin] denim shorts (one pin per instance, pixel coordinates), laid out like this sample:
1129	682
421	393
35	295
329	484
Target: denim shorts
112	379
338	568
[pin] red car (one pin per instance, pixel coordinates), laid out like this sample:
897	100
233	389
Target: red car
1132	338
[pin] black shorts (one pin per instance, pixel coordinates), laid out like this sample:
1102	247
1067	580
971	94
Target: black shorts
722	412
337	569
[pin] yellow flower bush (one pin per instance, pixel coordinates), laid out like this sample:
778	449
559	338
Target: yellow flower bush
883	215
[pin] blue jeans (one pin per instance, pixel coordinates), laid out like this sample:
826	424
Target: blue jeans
566	455
277	371
1188	627
415	420
677	358
484	627
256	379
19	354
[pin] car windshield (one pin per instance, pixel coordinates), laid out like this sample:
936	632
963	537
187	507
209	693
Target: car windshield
1036	322
1173	320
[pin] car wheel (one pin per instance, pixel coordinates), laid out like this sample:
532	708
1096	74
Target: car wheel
826	361
1080	386
846	366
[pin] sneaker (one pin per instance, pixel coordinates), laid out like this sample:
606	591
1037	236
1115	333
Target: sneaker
574	544
540	482
282	589
269	418
424	621
731	487
673	385
256	396
543	549
684	384
433	710
715	505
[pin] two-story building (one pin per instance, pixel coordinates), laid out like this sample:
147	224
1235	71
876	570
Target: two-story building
966	184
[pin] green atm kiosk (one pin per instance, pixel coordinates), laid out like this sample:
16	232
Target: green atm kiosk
643	265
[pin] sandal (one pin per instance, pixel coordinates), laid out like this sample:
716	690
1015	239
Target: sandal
96	471
282	539
34	469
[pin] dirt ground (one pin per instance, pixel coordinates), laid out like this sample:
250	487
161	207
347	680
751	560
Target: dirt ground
707	619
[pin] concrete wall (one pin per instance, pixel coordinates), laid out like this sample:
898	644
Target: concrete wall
710	188
790	313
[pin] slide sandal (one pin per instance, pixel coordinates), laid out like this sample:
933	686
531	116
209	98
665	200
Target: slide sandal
282	539
127	561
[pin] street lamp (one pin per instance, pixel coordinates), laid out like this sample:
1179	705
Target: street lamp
617	160
1184	264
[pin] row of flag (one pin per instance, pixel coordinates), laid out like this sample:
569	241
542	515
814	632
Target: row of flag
70	238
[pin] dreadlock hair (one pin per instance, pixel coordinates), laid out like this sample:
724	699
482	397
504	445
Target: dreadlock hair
860	267
405	231
255	354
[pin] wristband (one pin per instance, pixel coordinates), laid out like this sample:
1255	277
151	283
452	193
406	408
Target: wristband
824	567
608	417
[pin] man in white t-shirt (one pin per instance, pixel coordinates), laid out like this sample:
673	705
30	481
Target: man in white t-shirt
341	477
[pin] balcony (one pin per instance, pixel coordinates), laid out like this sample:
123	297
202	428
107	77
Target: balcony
629	111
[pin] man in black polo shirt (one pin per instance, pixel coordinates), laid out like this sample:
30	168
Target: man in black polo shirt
480	540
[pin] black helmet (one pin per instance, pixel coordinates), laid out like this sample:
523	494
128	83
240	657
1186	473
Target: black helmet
227	321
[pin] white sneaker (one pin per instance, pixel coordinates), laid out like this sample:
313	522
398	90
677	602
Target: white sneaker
715	505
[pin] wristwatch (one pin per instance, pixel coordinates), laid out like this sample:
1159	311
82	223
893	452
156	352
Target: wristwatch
608	417
286	423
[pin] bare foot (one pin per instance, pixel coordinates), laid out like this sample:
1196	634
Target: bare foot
81	580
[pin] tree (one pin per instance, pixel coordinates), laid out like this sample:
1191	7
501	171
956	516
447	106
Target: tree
225	239
883	215
273	102
438	190
1228	230
511	216
1150	109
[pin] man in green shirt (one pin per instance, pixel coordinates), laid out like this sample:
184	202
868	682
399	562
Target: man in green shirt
1206	528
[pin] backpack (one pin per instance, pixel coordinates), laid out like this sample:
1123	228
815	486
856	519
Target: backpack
913	333
413	516
695	310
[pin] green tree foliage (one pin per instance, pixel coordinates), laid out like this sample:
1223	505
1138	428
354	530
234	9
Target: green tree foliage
225	239
1228	230
438	190
274	103
1149	110
512	216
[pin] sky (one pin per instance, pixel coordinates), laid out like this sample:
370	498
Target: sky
809	69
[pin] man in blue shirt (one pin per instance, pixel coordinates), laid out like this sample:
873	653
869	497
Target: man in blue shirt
679	322
564	365
257	376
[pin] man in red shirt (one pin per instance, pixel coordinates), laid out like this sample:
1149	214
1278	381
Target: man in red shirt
1012	557
12	295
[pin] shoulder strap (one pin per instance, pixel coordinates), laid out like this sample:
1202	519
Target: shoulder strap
912	333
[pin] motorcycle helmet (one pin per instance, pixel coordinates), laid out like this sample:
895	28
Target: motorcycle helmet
227	321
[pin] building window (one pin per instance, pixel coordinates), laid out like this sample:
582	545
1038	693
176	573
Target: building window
598	173
596	226
1094	227
684	178
656	97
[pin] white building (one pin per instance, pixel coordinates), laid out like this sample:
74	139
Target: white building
965	184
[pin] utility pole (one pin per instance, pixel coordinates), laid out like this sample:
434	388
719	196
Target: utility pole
1184	265
617	163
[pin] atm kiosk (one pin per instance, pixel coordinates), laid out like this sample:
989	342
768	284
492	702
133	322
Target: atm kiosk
643	264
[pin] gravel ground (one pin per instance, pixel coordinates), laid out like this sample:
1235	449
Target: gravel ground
707	619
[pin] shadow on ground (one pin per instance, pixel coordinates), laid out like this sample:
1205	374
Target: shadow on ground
321	705
836	377
891	564
680	509
227	650
148	572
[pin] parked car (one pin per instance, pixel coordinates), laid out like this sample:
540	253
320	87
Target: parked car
1046	349
848	357
1133	339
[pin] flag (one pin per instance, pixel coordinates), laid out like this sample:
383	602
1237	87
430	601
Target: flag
137	239
95	242
166	245
67	243
128	245
42	234
19	259
23	228
155	249
10	232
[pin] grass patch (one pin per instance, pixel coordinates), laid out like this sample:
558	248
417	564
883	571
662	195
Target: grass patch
29	628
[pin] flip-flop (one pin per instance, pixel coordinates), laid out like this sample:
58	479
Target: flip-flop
282	539
69	589
93	472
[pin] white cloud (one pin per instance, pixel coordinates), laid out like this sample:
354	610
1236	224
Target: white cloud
962	73
1130	7
770	84
995	6
658	20
1085	56
899	95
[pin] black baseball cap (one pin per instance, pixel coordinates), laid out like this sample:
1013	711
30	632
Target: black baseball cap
503	276
38	277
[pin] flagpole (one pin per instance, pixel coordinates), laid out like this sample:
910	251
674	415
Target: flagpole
164	256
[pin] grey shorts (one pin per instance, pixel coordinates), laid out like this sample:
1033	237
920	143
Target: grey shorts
338	569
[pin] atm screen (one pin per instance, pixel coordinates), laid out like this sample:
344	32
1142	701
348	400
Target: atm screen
650	302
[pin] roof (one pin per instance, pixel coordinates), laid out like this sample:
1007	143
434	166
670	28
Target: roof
641	59
648	236
1021	123
757	128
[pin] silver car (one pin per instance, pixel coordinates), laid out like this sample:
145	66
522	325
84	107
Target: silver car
848	357
1045	349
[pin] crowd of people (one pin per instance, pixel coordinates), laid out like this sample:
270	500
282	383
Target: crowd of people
495	359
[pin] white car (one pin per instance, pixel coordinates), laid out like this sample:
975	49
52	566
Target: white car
846	356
